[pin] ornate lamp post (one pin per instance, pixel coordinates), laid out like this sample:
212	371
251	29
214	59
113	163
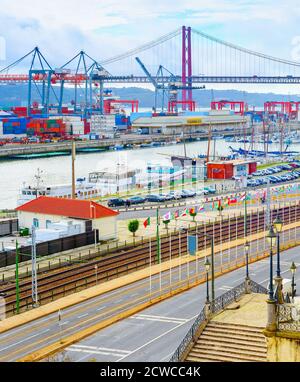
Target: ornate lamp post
207	302
271	325
247	248
278	225
207	268
293	270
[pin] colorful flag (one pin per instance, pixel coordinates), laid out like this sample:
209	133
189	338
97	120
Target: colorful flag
192	210
167	216
243	196
185	212
176	214
146	222
201	208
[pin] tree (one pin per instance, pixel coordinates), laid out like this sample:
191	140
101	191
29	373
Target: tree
133	226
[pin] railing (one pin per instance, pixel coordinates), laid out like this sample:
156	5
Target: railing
189	337
257	288
288	318
216	306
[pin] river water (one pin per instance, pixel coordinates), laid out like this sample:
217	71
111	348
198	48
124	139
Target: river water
57	170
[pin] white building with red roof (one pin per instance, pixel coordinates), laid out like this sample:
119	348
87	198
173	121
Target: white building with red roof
43	211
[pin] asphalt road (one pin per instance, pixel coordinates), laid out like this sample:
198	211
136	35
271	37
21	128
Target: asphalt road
176	317
155	333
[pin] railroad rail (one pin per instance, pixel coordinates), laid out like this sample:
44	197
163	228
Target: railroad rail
75	277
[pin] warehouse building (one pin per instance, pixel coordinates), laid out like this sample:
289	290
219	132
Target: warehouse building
229	169
42	212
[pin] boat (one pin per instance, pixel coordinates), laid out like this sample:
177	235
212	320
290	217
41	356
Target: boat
217	137
258	153
83	190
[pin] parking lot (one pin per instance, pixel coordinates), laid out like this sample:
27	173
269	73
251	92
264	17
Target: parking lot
275	174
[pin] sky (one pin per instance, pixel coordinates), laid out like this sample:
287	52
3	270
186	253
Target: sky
104	28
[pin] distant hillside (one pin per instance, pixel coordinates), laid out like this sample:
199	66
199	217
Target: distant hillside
16	95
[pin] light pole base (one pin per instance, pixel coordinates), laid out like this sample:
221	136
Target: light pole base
272	322
207	310
247	285
278	282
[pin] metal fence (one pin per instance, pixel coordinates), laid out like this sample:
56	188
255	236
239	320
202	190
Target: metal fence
288	318
49	247
7	227
216	306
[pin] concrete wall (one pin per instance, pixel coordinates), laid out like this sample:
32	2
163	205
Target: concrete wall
283	347
107	228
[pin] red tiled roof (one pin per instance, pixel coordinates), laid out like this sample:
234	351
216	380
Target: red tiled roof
72	208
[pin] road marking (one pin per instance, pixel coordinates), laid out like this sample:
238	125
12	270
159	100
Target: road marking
24	340
96	352
159	318
83	315
155	339
102	307
225	287
65	323
88	347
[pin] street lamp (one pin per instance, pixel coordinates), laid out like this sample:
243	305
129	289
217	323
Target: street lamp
247	248
207	268
211	238
293	269
278	225
271	238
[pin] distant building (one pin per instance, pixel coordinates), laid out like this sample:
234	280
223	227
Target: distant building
230	168
43	211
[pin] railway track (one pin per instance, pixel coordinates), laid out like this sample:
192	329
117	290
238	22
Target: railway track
75	277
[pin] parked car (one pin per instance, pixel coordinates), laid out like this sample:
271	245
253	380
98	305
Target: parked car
155	198
210	190
116	202
135	200
188	193
176	194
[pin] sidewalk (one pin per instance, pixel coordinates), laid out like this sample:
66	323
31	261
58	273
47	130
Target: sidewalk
126	239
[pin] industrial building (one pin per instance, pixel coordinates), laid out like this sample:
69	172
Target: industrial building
43	211
192	122
228	169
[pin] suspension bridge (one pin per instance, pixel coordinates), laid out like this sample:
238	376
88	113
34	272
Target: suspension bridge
176	63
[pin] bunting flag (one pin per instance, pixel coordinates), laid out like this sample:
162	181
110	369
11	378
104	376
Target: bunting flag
243	196
185	212
192	211
167	216
176	214
146	222
201	208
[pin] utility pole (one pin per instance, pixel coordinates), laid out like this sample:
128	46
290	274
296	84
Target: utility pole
34	291
73	169
17	280
158	237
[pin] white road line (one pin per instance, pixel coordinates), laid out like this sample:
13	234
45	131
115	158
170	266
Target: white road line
157	319
65	323
100	348
96	352
102	307
154	339
83	315
25	339
163	317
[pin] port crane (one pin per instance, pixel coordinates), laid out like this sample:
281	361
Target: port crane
168	84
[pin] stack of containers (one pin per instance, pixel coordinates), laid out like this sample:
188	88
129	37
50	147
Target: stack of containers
39	126
20	111
13	126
